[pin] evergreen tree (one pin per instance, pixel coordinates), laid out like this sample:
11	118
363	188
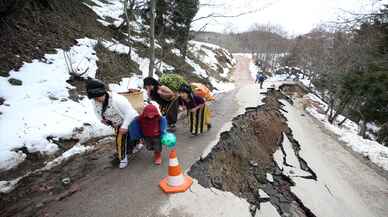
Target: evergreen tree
173	21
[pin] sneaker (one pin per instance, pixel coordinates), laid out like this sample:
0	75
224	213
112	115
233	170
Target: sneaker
123	163
158	158
138	148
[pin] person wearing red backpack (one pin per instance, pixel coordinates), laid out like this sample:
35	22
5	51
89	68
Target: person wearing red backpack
150	127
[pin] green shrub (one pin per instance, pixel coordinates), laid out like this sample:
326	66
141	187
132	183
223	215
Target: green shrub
172	81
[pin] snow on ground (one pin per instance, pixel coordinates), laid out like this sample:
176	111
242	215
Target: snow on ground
374	151
8	186
108	8
76	149
198	70
40	108
134	82
221	86
204	202
143	63
145	41
206	53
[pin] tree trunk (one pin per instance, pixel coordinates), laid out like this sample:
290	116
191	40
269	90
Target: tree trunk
128	27
363	129
186	42
330	110
152	39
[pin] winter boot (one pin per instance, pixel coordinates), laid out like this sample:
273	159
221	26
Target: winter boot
157	158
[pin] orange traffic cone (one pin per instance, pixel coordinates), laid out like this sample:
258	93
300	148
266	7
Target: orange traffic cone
175	182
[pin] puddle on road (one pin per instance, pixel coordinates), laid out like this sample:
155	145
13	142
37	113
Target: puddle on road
243	157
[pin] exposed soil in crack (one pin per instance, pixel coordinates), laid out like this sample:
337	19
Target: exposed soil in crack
243	157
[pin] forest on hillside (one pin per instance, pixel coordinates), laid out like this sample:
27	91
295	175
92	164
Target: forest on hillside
345	61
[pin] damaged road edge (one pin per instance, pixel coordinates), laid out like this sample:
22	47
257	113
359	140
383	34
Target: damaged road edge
243	156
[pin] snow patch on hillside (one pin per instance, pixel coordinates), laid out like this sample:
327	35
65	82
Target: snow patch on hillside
374	151
143	63
108	9
41	107
206	53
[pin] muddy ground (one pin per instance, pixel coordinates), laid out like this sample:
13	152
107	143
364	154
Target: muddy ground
239	163
35	191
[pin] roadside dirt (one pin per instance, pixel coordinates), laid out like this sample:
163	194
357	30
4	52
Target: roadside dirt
40	188
241	160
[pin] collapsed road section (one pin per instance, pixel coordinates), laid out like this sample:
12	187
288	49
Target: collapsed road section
252	160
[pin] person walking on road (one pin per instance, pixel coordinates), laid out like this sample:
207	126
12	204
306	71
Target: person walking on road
260	78
166	98
113	110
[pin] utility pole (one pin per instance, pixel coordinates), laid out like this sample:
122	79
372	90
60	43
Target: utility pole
152	39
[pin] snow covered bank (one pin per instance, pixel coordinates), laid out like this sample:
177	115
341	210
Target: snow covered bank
207	53
348	133
40	108
108	9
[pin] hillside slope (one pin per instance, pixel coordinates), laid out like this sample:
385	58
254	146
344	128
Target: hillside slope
43	111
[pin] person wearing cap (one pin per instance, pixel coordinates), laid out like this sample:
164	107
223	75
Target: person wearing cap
113	110
197	110
150	126
166	98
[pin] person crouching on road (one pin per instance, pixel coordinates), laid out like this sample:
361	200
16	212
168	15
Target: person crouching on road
150	126
197	110
113	110
166	98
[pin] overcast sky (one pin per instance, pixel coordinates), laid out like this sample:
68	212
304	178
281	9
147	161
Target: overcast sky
295	16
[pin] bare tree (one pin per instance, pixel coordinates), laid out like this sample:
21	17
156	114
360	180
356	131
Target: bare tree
129	5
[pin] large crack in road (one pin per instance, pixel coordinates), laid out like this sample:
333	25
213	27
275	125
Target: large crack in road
243	160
